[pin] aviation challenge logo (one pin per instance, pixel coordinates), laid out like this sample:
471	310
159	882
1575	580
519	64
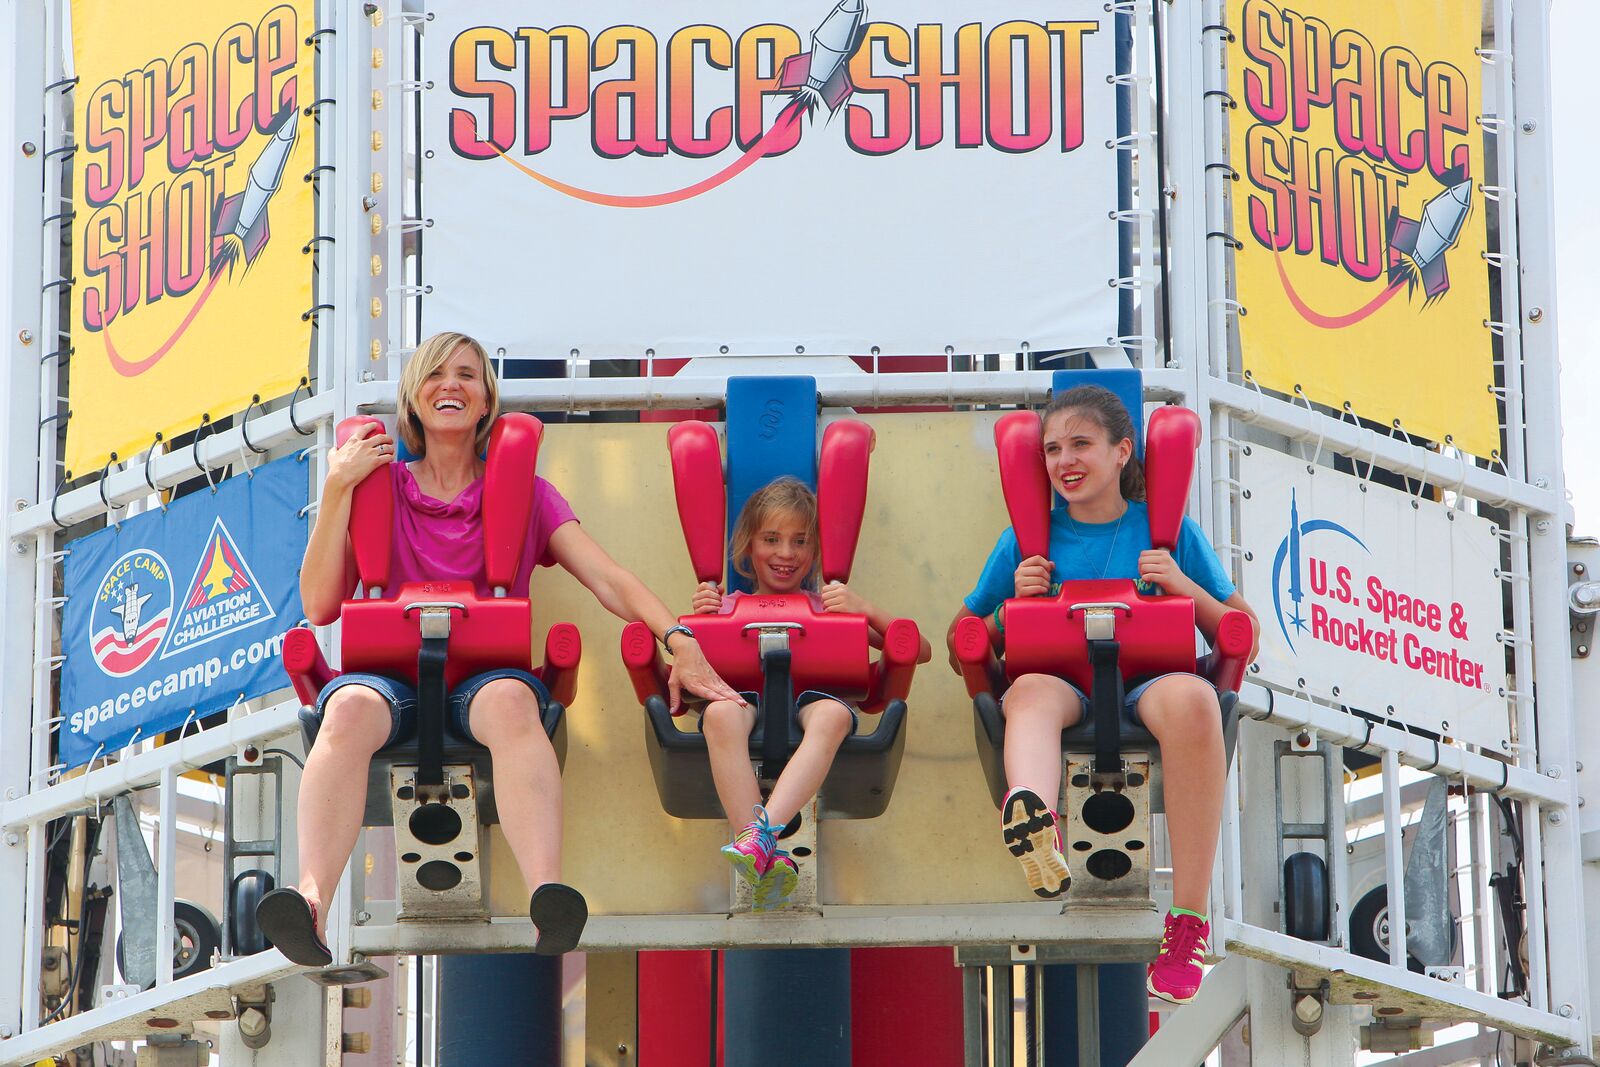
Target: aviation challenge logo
1018	87
223	598
1356	156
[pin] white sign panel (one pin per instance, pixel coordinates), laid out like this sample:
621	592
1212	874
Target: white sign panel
752	177
1375	599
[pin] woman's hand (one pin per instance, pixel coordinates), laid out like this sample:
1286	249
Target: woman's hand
363	452
1033	576
1157	566
839	598
691	671
707	599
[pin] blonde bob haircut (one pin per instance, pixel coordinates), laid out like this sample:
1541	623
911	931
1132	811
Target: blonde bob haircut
429	357
781	496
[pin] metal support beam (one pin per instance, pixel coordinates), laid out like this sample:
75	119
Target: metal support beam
1189	1034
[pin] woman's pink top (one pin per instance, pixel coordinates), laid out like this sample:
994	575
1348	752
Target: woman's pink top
729	600
444	542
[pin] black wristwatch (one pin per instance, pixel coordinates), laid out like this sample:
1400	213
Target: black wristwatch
680	628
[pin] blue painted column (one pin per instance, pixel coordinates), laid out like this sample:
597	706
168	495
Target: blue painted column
789	1006
1124	1014
500	1009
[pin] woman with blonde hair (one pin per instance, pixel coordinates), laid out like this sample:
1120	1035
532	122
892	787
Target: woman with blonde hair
448	402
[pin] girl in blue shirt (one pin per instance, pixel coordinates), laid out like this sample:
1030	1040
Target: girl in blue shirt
1104	532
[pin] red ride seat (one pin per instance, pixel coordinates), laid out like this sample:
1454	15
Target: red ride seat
383	630
1059	635
777	646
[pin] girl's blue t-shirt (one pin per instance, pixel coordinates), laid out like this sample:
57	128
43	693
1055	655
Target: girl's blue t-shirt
1086	551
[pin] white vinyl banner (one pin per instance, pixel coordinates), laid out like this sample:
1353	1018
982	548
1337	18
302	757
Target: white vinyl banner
1375	599
684	177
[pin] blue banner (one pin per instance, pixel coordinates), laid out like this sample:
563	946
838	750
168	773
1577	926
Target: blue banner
182	610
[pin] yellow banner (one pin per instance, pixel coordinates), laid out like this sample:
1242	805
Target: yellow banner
191	213
1360	210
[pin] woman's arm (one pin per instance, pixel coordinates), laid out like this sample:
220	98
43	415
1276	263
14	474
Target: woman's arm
621	592
838	597
327	575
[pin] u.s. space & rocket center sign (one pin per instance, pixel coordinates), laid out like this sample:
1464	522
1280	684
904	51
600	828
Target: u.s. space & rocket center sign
770	178
1374	598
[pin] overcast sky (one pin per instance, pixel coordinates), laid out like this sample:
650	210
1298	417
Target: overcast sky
1575	26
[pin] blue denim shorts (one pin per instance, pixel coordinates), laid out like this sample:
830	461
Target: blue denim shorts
806	697
1130	698
402	699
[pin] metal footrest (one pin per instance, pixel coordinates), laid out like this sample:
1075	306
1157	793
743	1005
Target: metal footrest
438	840
1108	830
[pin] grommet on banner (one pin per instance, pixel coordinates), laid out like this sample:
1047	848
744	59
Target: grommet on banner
311	175
1490	123
313	40
314	109
314	311
1229	173
1217	27
301	430
1227	98
305	250
1491	55
244	425
63	84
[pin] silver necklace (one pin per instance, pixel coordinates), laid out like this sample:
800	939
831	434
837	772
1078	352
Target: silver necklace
1116	531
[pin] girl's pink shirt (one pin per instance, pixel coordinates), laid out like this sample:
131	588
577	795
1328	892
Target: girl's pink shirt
435	541
732	598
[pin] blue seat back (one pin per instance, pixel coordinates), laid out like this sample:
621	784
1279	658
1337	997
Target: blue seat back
771	431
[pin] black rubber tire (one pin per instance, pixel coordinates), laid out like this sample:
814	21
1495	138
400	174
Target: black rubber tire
1369	928
1305	896
247	890
197	938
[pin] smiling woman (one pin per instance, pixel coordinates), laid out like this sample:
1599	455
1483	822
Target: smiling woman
448	402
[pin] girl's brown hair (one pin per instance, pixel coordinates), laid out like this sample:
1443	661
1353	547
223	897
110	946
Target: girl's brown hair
781	496
429	356
1106	410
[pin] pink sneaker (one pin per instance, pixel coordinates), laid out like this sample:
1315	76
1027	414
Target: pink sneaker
1033	834
1175	974
753	848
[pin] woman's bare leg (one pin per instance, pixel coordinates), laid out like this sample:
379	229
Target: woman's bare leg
504	717
333	788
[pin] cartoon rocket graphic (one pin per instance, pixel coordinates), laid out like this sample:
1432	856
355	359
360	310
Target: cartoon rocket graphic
1296	590
241	219
129	609
1426	239
822	75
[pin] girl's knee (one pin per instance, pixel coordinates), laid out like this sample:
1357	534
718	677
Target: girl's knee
505	709
724	719
829	718
1185	703
1040	695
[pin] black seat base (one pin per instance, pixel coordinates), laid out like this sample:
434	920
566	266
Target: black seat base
989	729
858	785
456	750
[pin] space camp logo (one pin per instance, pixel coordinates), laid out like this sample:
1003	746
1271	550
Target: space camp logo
1321	595
131	613
223	596
1018	86
178	199
1356	157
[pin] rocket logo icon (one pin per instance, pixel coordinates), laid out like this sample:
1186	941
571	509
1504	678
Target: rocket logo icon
1417	247
1289	569
131	613
822	75
222	598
